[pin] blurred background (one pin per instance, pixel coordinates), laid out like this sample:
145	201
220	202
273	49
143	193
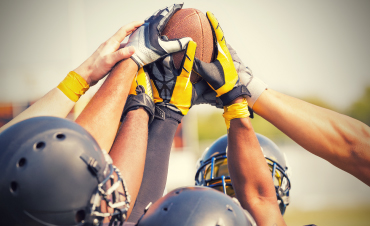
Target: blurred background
318	51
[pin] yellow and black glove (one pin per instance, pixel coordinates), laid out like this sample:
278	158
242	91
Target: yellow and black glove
140	95
172	87
220	74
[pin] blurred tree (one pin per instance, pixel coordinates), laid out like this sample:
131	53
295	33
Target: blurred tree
211	126
360	109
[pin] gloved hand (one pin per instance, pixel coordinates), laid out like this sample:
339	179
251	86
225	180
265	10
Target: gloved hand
172	87
147	40
206	95
140	95
254	85
221	74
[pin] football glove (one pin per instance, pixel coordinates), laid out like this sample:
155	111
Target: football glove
149	46
254	85
140	95
221	74
172	87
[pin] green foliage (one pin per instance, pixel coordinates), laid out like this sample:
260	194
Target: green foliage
360	109
211	126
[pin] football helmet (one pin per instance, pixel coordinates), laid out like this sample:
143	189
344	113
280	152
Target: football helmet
53	172
212	169
196	206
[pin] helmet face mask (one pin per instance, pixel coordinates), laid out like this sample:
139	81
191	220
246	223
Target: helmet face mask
212	169
54	173
214	173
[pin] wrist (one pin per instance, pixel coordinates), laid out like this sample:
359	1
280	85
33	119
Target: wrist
73	86
237	100
237	110
236	92
139	112
244	123
84	73
132	63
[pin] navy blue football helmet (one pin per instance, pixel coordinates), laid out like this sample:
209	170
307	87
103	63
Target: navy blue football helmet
212	169
53	172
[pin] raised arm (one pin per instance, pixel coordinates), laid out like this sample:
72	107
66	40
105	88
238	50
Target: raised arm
60	100
249	173
340	139
172	92
337	138
101	116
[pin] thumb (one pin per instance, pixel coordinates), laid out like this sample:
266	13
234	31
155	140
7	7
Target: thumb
122	54
172	46
188	60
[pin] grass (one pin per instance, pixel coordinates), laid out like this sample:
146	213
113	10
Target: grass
359	216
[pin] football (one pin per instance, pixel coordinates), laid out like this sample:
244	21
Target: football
191	23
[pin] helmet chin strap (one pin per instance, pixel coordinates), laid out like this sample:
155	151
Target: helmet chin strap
119	214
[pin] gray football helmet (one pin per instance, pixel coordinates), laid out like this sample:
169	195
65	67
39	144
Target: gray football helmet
212	169
53	172
196	206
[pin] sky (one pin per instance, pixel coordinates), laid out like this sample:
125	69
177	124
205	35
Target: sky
301	48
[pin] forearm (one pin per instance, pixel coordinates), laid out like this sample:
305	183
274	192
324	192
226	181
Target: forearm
129	150
341	140
101	116
54	103
250	175
160	139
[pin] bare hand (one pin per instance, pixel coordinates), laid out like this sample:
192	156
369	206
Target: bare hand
107	55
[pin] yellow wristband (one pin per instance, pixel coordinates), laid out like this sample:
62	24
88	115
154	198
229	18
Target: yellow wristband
238	110
73	86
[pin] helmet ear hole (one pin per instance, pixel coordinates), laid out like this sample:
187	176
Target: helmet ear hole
13	187
60	136
22	162
80	216
40	145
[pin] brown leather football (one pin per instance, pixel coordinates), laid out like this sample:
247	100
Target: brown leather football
191	23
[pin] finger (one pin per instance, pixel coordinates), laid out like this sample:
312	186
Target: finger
167	13
223	51
173	46
216	27
188	60
121	54
121	34
199	67
182	93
